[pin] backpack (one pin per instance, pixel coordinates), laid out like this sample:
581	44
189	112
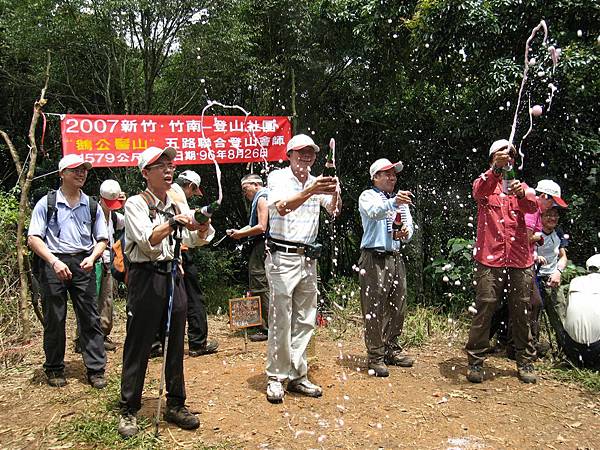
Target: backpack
119	263
36	261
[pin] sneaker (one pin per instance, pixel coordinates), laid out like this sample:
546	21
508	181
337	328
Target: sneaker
56	379
275	391
259	336
156	351
527	373
210	347
182	417
475	373
378	369
109	345
127	425
399	359
97	380
305	387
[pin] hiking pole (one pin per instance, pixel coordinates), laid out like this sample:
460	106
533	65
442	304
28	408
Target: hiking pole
175	264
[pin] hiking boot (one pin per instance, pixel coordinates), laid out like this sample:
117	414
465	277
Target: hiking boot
259	336
511	353
275	391
156	351
127	425
109	345
182	417
475	373
210	347
56	379
541	348
399	359
97	380
305	387
527	373
76	346
378	369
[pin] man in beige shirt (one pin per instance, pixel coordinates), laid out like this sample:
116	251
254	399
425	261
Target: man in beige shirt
151	218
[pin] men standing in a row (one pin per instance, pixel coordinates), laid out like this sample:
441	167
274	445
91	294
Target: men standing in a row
504	262
253	190
186	186
68	232
387	224
151	218
295	199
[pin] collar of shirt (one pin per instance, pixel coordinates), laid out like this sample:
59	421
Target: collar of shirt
83	198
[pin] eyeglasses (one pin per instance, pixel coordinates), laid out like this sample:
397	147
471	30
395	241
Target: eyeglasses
162	167
77	170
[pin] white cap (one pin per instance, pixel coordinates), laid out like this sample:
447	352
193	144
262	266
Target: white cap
593	261
71	161
300	141
190	176
500	144
553	189
151	154
384	164
110	191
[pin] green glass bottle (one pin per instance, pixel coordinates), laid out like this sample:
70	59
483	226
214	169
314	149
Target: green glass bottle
508	176
329	170
201	215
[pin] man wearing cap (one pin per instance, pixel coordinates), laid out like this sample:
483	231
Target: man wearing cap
504	263
112	198
255	192
582	322
68	243
186	186
382	272
150	220
294	201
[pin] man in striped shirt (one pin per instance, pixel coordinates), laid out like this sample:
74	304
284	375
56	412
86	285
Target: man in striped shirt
294	202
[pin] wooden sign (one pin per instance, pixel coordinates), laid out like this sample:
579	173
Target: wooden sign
245	312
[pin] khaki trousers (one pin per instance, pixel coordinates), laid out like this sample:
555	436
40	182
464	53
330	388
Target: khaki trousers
292	313
383	302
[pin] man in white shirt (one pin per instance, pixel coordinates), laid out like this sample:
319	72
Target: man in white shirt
295	199
582	323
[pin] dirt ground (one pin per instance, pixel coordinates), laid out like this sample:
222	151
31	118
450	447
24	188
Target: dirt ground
430	406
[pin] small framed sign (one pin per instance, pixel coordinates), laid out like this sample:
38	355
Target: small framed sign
245	312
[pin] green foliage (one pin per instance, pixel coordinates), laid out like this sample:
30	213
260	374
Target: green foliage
9	273
566	372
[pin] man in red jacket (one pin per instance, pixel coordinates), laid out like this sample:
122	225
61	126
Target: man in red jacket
504	263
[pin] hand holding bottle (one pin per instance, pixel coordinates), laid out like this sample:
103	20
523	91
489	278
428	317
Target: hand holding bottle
404	198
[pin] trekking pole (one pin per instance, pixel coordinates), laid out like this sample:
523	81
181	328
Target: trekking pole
175	264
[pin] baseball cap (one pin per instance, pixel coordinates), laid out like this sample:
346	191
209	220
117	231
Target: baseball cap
151	154
300	141
110	191
593	261
190	176
384	164
553	189
71	161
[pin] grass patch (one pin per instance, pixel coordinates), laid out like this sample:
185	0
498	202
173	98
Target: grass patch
564	371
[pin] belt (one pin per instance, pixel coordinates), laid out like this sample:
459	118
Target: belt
378	252
157	266
84	254
286	248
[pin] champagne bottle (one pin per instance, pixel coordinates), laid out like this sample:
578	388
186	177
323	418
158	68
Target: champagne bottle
397	224
201	215
329	163
508	176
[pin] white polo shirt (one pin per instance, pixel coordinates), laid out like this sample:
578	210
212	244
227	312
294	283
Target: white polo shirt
302	224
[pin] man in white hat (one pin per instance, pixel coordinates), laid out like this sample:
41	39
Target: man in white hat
387	225
186	186
582	322
295	199
68	232
504	263
151	218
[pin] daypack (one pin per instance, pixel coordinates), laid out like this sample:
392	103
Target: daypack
36	261
119	263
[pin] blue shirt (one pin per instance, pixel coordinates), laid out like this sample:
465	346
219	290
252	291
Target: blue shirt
70	230
374	212
262	193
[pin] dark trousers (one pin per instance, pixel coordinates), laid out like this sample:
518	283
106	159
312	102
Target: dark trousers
82	290
383	302
491	283
147	305
196	309
582	355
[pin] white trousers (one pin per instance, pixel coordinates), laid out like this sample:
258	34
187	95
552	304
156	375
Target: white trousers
292	313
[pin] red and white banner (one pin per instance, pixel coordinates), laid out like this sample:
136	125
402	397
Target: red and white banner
114	140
